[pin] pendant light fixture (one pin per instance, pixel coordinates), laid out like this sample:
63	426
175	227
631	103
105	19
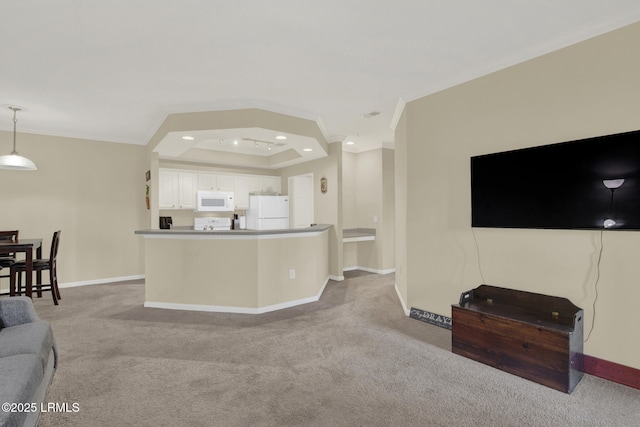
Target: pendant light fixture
14	161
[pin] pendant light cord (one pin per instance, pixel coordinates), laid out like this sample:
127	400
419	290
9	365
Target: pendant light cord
15	120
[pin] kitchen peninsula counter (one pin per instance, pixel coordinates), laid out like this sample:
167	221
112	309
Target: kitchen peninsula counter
189	231
240	271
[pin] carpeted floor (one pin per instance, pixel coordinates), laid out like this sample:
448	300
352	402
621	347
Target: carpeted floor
351	359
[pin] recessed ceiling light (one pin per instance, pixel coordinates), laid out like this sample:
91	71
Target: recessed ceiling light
188	138
235	142
350	142
308	149
281	137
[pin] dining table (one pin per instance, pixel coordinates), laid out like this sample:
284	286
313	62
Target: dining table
27	246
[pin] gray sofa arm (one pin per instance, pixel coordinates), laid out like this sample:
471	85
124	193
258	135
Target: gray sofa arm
16	311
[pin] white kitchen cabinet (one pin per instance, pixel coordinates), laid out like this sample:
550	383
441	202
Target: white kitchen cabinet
245	185
169	187
255	184
271	184
207	181
177	190
241	192
188	189
226	182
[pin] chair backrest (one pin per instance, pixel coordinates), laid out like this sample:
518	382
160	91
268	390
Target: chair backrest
55	242
11	235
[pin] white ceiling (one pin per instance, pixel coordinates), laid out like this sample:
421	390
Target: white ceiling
113	69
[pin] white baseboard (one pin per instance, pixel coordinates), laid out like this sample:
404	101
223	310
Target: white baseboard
407	312
240	310
88	282
101	281
370	270
336	278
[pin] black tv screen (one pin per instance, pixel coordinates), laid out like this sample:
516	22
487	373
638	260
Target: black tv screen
560	186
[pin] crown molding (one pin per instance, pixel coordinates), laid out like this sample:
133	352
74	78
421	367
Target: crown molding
397	113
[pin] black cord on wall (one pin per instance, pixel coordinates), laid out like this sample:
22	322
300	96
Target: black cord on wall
595	285
595	288
478	256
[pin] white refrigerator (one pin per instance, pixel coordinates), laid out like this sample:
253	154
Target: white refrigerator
268	213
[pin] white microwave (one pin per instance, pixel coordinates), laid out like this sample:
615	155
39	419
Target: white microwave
215	201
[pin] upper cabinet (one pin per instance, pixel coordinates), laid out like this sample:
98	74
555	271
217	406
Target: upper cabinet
178	188
254	184
188	187
169	187
207	181
226	182
241	192
271	184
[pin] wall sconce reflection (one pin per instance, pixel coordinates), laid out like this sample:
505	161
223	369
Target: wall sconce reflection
613	185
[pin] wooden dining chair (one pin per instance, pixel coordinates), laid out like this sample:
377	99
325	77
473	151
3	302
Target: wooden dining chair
7	260
40	265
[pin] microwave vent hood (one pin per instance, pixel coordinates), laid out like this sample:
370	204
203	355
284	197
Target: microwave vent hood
215	201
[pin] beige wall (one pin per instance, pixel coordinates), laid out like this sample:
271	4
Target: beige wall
375	198
349	190
250	272
93	191
349	207
308	256
368	191
369	188
401	206
328	208
387	232
585	90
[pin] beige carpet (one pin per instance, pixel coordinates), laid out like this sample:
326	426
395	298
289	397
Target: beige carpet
351	359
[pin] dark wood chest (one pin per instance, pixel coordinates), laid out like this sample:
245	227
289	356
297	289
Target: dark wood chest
534	336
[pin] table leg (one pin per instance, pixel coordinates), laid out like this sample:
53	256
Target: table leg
39	272
12	285
29	271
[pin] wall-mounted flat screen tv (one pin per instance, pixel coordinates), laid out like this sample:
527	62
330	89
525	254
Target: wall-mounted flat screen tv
569	185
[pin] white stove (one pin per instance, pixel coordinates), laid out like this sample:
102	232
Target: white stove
210	224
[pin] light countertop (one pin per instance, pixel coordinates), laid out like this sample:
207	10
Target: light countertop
358	234
188	232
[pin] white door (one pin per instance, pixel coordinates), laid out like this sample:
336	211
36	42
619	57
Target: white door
301	200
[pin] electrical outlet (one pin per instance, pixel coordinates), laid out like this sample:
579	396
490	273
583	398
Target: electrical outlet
375	219
292	274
